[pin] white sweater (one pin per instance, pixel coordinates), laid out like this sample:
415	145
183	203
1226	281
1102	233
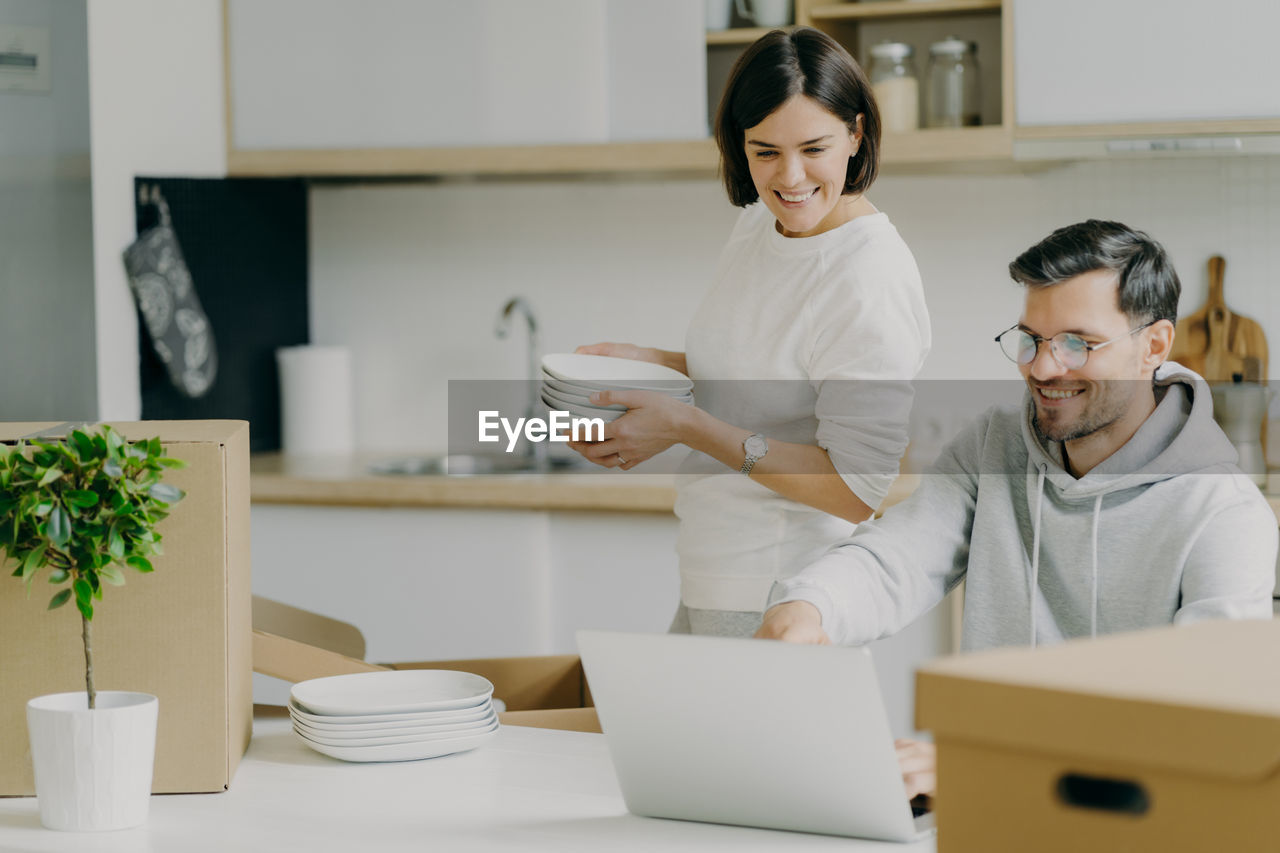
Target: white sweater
787	321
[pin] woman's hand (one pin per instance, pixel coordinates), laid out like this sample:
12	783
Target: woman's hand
620	350
653	422
674	360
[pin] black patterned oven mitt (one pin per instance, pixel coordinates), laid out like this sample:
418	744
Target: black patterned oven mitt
166	296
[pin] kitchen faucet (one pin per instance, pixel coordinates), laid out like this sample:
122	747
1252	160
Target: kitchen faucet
518	304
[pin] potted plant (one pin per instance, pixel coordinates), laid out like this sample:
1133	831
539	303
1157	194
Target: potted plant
86	508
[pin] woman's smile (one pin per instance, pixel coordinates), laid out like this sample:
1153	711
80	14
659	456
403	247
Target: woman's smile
795	199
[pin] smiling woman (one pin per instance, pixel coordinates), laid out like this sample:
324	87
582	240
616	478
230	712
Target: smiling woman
801	350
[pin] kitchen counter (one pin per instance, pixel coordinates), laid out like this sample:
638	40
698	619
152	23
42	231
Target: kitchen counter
316	481
527	789
280	479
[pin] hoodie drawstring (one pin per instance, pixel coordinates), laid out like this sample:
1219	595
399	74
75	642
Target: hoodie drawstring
1035	559
1035	551
1093	618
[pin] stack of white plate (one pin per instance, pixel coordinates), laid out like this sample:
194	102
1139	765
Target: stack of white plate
399	715
569	379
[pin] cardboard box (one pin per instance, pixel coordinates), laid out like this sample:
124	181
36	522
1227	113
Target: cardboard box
1167	739
182	633
548	691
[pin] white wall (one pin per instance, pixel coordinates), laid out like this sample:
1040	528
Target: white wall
156	91
412	276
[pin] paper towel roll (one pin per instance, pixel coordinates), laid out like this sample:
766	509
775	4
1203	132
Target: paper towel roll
315	399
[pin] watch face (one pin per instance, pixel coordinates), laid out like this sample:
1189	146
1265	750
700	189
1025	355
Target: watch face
756	445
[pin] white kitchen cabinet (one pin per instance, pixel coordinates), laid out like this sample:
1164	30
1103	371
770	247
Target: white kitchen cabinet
1098	62
398	74
457	583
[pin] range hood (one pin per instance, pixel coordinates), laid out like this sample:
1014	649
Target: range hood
1156	145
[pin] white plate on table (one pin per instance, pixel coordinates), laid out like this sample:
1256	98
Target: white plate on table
380	739
392	692
403	751
391	722
605	371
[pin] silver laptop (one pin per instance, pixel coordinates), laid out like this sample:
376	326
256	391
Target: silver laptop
749	732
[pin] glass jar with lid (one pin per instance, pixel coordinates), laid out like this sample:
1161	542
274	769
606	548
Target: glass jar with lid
895	85
954	96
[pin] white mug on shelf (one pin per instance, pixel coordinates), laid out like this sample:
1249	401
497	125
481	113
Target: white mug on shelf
766	13
719	14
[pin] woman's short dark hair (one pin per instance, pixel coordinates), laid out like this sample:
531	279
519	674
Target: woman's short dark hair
1149	286
778	66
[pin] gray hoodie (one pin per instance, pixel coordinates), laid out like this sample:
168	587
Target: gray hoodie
1167	529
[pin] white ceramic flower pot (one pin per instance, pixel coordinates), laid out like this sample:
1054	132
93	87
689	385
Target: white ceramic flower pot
93	768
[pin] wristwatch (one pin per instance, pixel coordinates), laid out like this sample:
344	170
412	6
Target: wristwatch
756	446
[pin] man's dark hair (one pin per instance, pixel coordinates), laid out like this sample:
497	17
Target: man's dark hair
1149	286
777	66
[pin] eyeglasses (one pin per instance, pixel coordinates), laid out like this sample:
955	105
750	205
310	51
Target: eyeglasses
1068	350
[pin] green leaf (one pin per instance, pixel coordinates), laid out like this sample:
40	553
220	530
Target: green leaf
84	445
42	509
34	561
59	599
59	527
49	476
142	564
84	593
85	608
59	576
115	543
112	469
81	497
111	575
166	494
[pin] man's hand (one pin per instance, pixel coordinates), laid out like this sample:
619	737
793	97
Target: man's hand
918	760
794	622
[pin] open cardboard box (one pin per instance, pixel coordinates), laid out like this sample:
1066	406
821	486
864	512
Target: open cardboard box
543	691
1165	739
181	633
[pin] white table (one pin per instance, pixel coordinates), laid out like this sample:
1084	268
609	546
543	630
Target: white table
527	789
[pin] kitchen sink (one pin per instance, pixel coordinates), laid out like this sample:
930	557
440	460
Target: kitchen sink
469	464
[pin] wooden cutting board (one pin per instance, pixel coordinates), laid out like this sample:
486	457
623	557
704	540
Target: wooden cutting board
1216	342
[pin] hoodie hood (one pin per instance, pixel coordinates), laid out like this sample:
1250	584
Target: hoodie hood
1179	437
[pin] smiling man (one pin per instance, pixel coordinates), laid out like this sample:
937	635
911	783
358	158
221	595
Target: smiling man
1109	501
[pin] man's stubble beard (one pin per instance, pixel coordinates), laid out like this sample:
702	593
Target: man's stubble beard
1100	414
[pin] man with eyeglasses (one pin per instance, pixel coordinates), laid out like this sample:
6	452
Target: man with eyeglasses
1109	501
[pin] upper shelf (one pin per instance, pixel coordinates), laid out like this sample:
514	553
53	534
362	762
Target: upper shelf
903	9
919	148
986	147
864	11
681	156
